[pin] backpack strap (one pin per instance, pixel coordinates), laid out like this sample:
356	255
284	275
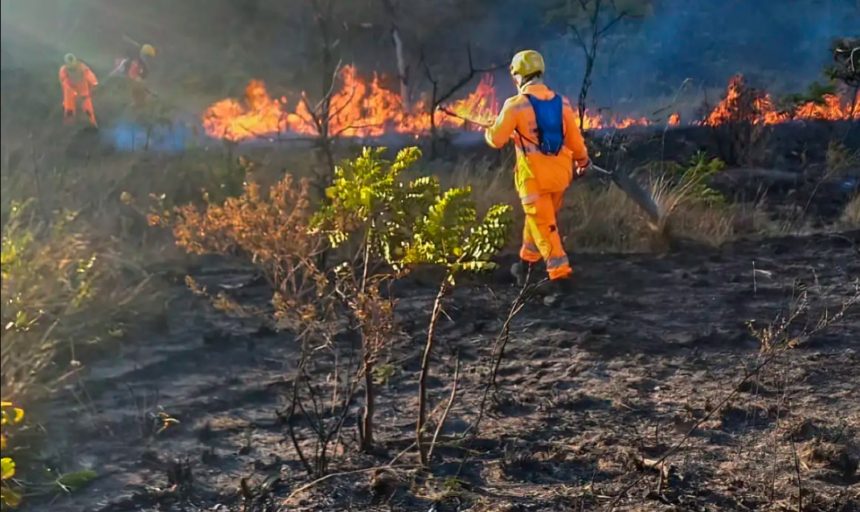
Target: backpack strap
522	137
537	144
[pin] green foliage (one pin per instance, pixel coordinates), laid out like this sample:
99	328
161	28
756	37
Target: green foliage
26	266
76	481
448	235
11	416
412	223
693	178
367	196
382	373
815	93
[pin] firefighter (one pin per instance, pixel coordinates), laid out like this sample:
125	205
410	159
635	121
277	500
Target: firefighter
135	66
77	80
551	153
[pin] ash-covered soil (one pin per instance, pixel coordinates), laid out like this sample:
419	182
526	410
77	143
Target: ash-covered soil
589	393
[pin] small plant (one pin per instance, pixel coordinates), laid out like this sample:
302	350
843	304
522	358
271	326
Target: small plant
684	185
369	208
53	280
401	225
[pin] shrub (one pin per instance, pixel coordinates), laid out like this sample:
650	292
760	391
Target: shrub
270	229
740	125
406	224
61	285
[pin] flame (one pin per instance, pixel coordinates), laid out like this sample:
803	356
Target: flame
746	104
832	109
357	109
362	108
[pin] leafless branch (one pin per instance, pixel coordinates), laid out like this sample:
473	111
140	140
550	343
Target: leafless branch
447	409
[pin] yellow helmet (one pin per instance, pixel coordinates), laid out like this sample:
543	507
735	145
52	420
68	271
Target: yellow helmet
70	59
527	63
147	50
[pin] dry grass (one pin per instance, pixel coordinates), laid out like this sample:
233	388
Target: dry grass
62	286
851	215
840	158
598	218
74	259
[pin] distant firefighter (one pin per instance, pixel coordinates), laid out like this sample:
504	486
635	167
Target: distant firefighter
135	66
77	80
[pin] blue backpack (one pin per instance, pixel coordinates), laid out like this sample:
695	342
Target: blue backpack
550	123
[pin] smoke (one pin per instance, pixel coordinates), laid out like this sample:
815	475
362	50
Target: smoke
779	45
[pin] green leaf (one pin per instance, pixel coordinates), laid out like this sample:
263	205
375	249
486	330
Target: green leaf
77	480
7	468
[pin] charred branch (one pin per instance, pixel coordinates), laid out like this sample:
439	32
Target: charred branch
590	37
439	96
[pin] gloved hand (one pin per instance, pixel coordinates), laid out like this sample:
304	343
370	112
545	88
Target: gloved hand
580	171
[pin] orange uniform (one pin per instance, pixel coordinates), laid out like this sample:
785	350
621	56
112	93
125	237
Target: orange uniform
136	70
77	81
540	179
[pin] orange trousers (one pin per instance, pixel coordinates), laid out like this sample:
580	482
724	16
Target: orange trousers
139	94
541	239
70	97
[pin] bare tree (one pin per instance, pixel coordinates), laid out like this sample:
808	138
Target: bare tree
321	112
589	21
392	14
439	96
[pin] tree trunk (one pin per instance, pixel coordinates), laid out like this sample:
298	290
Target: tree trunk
425	370
586	85
401	68
434	131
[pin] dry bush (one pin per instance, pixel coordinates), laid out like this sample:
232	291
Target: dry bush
602	219
62	284
851	215
270	229
840	158
738	123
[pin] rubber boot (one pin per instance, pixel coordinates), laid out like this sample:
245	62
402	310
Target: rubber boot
520	271
558	290
92	117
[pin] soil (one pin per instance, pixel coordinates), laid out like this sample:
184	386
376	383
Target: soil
589	396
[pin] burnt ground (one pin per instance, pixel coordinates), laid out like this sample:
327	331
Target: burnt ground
644	347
